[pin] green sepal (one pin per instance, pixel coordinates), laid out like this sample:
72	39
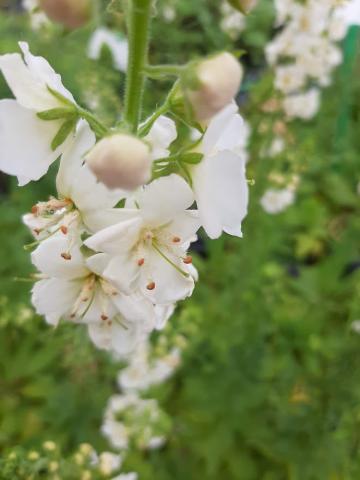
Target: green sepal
60	97
57	113
66	128
192	158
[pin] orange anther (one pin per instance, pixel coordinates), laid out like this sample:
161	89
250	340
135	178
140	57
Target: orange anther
141	262
64	229
151	286
187	260
66	256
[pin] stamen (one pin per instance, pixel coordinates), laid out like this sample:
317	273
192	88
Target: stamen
151	286
141	262
188	260
155	246
66	256
64	229
104	317
34	209
176	239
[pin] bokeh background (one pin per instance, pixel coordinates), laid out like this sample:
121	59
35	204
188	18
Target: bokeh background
269	386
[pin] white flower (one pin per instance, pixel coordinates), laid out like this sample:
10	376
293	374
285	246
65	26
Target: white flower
128	418
289	78
349	12
72	289
143	372
109	462
117	45
219	181
126	476
302	105
83	204
147	248
276	201
25	139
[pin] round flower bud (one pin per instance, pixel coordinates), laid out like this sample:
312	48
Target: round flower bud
218	80
70	13
244	6
121	161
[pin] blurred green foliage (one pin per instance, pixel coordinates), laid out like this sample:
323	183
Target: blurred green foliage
270	384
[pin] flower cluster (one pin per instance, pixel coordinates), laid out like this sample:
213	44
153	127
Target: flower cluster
132	420
305	53
111	247
48	461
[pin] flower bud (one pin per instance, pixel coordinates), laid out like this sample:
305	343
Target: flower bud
70	13
121	161
244	6
218	80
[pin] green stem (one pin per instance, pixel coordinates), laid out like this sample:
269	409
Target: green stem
139	35
159	71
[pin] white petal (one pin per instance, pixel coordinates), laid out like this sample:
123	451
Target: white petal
221	192
170	284
120	338
217	126
136	308
28	90
25	142
162	134
117	238
164	198
123	272
185	225
48	260
43	72
54	298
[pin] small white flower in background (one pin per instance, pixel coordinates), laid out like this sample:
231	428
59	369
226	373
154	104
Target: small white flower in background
126	476
355	326
304	53
276	201
28	157
38	18
147	248
232	22
109	463
349	12
117	45
130	420
302	105
143	372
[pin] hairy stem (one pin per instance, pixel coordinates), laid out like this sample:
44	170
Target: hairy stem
138	33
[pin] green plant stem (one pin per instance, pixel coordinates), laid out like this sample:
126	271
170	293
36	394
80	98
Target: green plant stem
159	71
139	34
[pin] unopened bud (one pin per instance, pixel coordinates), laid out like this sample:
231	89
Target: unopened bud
244	6
121	161
70	13
218	81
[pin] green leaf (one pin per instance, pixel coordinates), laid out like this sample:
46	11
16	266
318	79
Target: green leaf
57	113
66	128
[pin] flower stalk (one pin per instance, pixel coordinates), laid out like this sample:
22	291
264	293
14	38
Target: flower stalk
139	15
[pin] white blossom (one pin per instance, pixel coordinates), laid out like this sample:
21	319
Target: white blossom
117	45
219	181
72	288
276	201
147	248
26	139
